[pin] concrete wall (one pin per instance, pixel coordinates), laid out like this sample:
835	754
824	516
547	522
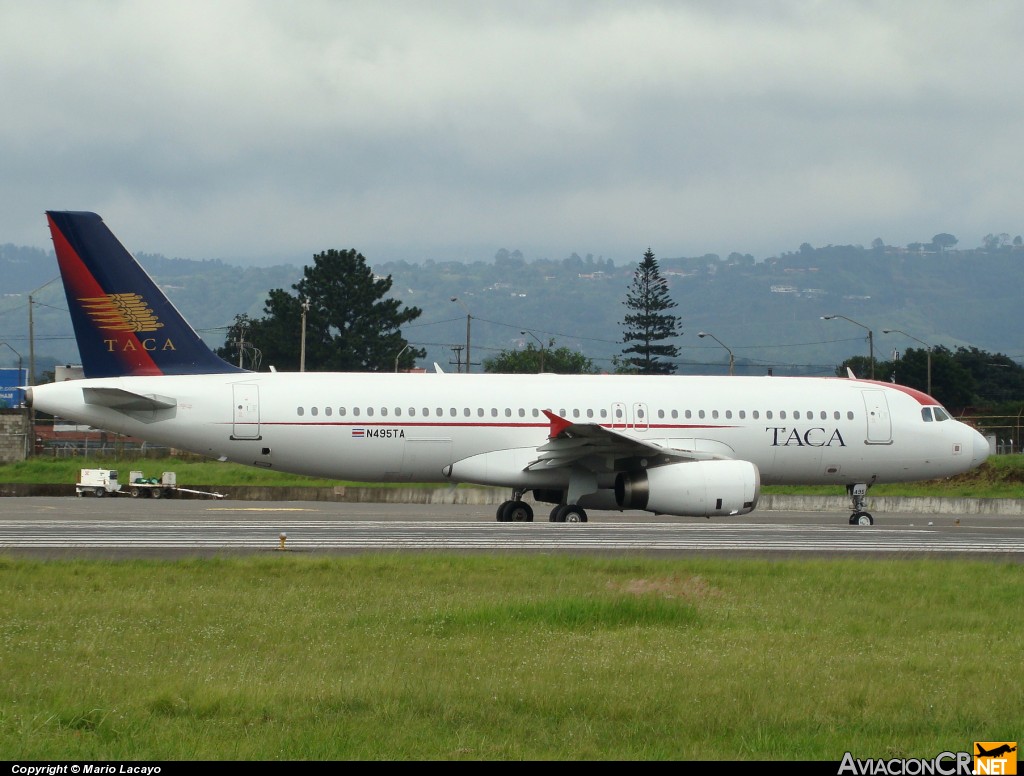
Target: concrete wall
13	435
838	505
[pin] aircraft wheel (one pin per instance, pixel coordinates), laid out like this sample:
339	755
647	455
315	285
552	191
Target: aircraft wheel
553	517
863	518
519	512
570	513
502	513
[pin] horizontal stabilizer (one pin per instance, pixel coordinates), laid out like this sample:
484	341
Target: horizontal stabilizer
120	399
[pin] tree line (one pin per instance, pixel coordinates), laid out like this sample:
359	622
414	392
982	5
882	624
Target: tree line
340	317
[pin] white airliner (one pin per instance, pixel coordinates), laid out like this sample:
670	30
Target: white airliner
674	445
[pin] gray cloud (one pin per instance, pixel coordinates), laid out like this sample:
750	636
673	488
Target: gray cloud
267	131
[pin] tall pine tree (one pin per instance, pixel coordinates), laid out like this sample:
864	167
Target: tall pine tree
648	324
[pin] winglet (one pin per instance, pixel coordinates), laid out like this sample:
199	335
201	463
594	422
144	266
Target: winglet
558	424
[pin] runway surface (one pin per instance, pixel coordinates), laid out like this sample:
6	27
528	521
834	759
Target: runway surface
123	527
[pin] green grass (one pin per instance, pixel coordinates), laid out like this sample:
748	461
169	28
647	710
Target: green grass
999	477
484	657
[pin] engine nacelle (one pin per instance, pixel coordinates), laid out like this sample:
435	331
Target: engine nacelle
691	489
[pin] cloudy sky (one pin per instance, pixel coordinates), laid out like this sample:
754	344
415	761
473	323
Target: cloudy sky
266	132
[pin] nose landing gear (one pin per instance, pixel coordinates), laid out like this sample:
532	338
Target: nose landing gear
858	500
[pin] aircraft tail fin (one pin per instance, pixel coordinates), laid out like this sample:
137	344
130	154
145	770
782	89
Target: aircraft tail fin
124	324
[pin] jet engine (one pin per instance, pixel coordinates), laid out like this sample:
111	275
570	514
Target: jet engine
691	489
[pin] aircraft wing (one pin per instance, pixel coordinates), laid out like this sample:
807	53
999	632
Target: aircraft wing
602	449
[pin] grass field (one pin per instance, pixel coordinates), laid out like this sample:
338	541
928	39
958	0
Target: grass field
487	657
429	656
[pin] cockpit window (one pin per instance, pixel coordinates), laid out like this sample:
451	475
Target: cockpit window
939	414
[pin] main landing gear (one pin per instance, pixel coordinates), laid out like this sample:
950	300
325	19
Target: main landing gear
515	510
568	513
858	500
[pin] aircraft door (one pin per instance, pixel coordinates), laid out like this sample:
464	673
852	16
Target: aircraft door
246	411
879	423
619	419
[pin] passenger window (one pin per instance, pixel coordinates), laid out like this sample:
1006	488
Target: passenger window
398	412
590	413
522	412
700	414
341	412
675	414
768	414
714	414
384	412
369	411
465	411
494	412
327	411
782	415
604	413
836	415
661	414
536	412
479	412
849	415
453	412
796	415
824	415
728	414
508	412
300	411
355	411
439	412
743	414
689	414
314	411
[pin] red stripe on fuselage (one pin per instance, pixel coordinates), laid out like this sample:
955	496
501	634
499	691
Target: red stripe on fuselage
80	284
921	396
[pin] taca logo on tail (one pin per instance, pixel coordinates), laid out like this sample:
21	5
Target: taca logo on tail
123	323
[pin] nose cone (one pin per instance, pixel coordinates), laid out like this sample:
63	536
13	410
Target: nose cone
981	449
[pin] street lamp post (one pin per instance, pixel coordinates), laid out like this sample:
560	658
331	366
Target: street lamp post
928	350
469	319
15	352
400	352
541	347
871	338
31	335
731	359
302	341
30	448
